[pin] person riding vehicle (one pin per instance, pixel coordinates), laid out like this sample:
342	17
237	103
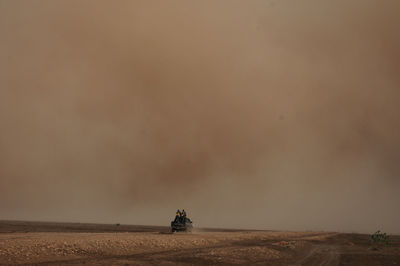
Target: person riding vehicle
181	222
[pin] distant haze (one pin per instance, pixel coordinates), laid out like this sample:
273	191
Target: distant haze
281	115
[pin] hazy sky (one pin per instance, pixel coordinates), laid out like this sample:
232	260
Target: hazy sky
254	114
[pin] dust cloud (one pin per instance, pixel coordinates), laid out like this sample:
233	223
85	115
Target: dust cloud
249	114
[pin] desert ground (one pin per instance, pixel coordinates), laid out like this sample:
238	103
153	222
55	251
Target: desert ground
28	243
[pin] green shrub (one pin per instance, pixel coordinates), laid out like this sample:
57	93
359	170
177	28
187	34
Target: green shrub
380	237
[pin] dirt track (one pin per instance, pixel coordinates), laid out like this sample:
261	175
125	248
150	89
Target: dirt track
55	243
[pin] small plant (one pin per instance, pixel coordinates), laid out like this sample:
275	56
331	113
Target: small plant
380	237
117	224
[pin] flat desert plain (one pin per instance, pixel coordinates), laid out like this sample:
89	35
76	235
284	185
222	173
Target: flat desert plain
46	243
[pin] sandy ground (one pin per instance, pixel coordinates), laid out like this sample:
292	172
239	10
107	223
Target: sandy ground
63	243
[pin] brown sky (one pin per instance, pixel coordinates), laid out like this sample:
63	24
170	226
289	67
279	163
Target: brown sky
253	114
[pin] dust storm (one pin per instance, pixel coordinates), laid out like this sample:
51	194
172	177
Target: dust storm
249	114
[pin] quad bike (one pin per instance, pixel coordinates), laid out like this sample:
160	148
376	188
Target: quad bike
181	224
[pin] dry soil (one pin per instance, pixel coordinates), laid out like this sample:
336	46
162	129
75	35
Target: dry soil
73	243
